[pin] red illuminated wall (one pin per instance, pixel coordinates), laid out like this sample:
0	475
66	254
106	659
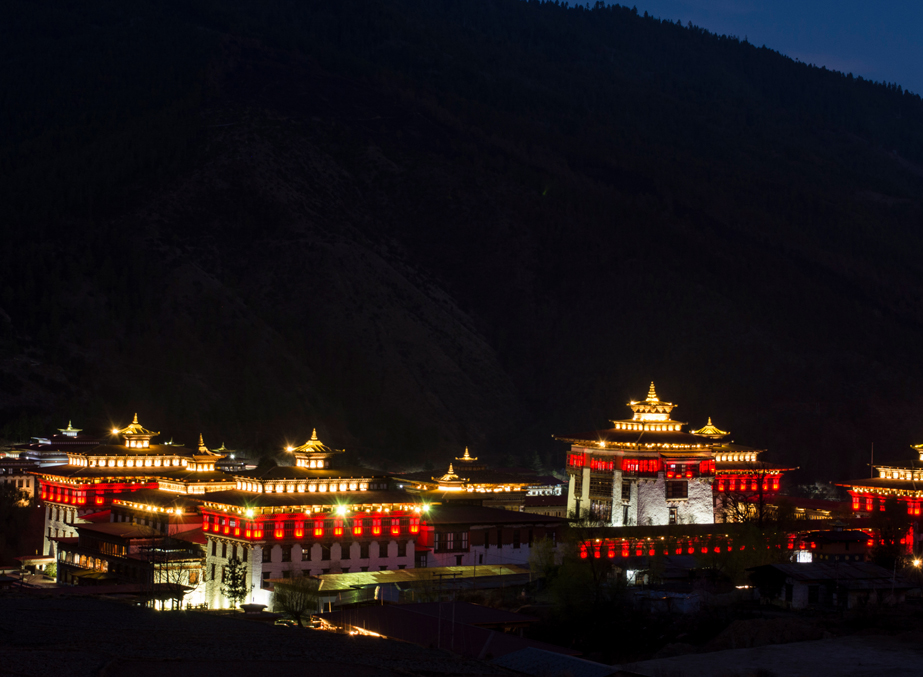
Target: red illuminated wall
88	495
303	526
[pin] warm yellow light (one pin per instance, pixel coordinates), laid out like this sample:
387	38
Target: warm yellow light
917	563
249	512
341	510
115	431
426	507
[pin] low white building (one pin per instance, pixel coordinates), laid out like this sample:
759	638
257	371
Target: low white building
470	535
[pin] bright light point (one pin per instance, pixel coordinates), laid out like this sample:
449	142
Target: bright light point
426	507
917	562
115	431
341	510
289	448
249	512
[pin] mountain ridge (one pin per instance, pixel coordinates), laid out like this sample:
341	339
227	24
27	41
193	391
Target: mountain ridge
720	232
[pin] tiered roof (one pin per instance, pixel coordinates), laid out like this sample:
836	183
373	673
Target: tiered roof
709	430
651	429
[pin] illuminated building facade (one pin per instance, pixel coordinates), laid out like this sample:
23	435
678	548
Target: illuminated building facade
643	471
470	481
740	475
18	473
466	535
904	483
96	475
308	518
646	470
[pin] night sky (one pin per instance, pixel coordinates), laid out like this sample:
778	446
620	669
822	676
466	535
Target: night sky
882	41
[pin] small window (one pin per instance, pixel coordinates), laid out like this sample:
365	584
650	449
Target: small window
267	554
286	553
325	553
672	515
265	583
499	538
516	539
364	551
626	491
677	489
305	553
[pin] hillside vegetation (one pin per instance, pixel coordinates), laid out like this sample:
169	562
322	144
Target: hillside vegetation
420	224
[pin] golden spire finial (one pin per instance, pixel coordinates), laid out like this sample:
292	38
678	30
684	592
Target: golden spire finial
202	446
314	435
709	420
652	394
136	419
451	470
467	456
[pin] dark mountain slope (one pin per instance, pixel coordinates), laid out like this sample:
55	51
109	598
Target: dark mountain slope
423	224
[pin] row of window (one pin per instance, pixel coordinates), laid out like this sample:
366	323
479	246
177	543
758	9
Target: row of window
229	551
370	526
643	466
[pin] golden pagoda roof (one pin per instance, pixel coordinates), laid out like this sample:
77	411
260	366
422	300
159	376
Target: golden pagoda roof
135	429
450	477
466	457
312	446
710	430
205	451
70	429
651	409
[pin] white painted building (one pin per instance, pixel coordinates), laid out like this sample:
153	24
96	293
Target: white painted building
643	471
470	535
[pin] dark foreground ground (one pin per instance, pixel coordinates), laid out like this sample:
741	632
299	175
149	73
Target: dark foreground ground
854	656
77	638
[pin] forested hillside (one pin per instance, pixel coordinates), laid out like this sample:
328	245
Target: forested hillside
420	224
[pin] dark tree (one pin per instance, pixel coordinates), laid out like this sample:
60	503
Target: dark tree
236	584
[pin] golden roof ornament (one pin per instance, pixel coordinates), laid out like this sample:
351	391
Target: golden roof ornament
651	409
919	449
450	478
70	429
202	448
711	430
135	429
313	447
466	457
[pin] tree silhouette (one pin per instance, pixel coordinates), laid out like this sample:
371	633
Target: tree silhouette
236	585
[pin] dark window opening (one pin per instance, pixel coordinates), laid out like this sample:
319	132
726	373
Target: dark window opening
677	489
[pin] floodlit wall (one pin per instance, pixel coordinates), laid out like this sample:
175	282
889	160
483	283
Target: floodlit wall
654	507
